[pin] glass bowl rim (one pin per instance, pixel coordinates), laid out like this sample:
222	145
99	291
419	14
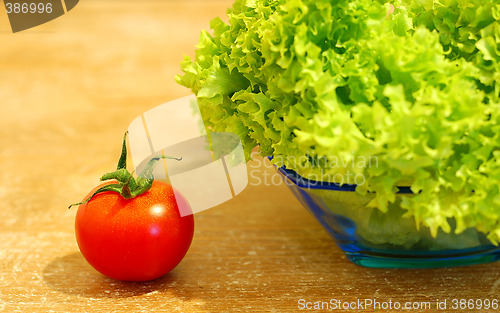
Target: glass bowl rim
314	184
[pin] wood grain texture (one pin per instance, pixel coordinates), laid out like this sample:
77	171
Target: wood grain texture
69	89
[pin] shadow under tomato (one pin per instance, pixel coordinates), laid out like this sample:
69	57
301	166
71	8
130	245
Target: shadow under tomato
71	274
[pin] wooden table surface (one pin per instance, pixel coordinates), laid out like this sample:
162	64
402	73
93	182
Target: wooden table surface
68	90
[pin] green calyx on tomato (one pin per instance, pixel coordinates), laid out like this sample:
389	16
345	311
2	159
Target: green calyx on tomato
127	186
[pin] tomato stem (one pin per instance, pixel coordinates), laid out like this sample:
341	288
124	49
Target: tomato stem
122	163
126	185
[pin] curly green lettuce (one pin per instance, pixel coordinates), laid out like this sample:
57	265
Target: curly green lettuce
326	87
467	29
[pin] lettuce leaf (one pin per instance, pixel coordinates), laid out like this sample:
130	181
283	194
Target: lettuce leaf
341	91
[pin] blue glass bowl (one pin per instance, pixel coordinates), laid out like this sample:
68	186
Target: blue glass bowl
371	238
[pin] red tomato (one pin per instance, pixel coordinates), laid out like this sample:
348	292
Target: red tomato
138	239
